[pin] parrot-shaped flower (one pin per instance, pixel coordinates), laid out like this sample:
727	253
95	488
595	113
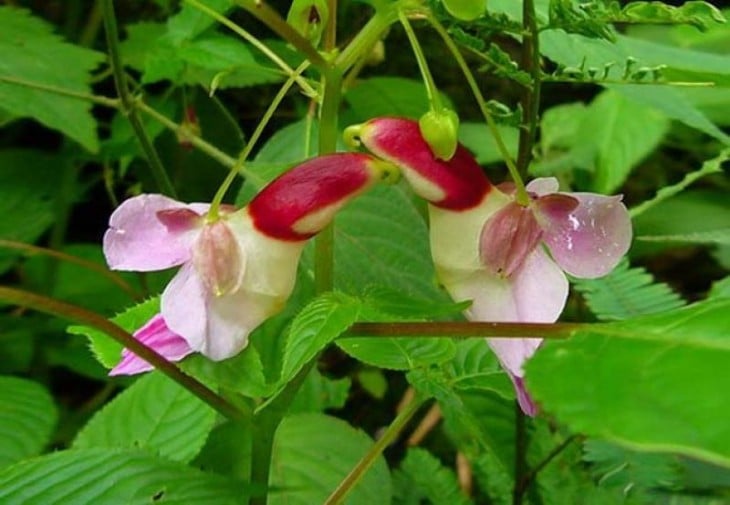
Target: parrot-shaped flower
238	268
489	249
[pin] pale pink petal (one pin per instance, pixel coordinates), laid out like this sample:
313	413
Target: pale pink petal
218	259
508	237
138	240
156	335
590	240
184	306
543	186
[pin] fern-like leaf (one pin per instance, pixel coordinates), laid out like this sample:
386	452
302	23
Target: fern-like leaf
422	476
627	292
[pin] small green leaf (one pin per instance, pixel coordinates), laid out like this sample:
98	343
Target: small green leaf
107	350
27	419
111	476
154	413
307	465
33	53
627	292
318	324
422	476
319	393
651	383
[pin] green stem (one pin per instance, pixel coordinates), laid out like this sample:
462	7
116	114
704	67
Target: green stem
308	90
114	103
521	195
328	119
366	37
93	23
82	316
268	16
468	330
518	492
432	91
236	168
112	38
531	96
391	433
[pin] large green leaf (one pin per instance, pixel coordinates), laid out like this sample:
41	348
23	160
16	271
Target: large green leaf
32	53
478	138
154	413
318	324
318	393
28	181
108	476
573	50
398	353
652	383
27	418
313	453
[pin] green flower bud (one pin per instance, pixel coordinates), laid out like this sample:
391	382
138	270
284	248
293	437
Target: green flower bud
440	131
309	17
466	10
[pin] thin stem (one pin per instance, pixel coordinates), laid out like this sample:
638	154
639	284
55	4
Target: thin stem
531	96
120	81
236	168
80	315
30	250
432	92
330	33
528	477
467	330
268	16
520	454
391	433
93	23
256	43
114	103
521	195
324	243
185	133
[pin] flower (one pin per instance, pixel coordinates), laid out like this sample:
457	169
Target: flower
488	248
238	268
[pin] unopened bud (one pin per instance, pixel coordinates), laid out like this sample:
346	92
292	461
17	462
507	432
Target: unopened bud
440	130
309	17
466	10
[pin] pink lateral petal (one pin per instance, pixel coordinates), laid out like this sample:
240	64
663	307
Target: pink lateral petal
138	240
218	259
523	397
543	186
156	335
184	306
589	241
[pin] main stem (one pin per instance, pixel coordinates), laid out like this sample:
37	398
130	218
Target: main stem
128	107
531	96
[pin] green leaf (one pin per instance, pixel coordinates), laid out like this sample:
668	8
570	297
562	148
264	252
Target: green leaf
477	137
154	413
32	53
691	212
27	419
650	383
422	476
318	324
319	393
398	353
140	42
475	367
618	133
695	13
28	181
112	476
107	350
627	292
389	96
307	463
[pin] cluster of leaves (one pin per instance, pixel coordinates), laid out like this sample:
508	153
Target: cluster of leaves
635	402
